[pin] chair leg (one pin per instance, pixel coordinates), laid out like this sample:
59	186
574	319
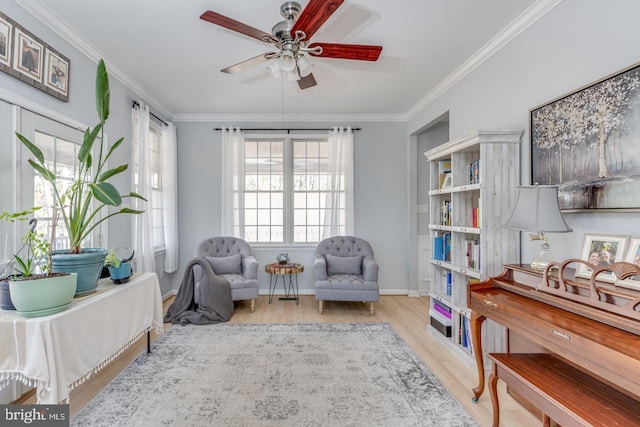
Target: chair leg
371	310
320	306
253	305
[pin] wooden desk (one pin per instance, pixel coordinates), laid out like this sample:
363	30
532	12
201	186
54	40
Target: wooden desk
58	352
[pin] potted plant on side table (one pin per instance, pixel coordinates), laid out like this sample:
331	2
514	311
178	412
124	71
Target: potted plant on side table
35	290
119	269
80	206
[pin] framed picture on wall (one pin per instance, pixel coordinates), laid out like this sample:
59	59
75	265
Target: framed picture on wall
587	143
633	256
5	40
600	250
28	56
56	72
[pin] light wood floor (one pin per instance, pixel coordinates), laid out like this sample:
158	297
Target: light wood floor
408	316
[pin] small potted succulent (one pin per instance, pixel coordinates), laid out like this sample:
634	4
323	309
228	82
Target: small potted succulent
119	269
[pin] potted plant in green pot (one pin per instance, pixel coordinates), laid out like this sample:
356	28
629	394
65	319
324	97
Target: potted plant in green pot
119	269
81	205
35	290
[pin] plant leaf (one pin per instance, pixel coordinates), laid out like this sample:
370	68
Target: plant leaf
32	147
111	172
136	195
46	173
106	193
130	211
102	91
87	143
113	147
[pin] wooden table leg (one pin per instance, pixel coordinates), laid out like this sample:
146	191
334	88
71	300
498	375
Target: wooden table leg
476	338
493	391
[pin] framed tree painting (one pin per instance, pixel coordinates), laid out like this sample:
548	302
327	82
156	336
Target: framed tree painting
588	143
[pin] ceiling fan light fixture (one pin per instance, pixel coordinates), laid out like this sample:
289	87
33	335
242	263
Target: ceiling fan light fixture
287	61
292	76
304	65
274	69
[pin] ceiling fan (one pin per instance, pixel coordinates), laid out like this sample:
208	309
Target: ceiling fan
291	38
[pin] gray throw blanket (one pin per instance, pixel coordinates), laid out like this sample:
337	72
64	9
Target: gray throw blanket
215	300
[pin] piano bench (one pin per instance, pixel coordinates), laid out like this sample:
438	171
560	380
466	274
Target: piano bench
563	393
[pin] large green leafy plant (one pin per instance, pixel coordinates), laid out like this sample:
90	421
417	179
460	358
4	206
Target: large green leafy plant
81	204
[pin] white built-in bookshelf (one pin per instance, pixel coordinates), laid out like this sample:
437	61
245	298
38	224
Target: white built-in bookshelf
472	190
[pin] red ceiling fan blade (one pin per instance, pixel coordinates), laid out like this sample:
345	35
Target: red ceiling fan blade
314	15
359	52
307	81
241	66
232	24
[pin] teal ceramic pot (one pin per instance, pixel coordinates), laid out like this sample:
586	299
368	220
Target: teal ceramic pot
43	296
87	264
120	274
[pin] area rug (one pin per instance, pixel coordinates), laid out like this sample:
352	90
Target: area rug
284	374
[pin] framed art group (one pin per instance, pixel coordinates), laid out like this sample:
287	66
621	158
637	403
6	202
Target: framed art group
601	250
31	60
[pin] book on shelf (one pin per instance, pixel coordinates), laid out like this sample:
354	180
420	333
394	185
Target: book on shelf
472	255
445	212
473	172
475	217
442	246
442	308
446	180
444	167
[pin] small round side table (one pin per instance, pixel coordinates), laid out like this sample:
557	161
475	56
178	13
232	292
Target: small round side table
281	270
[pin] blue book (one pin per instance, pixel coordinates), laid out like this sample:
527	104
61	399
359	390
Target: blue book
438	248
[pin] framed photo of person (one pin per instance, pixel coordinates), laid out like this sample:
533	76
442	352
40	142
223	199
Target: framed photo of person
600	250
6	33
56	74
633	256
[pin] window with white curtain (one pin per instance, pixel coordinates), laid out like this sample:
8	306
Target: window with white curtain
288	184
155	161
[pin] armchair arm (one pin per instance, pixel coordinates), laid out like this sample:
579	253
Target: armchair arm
250	267
320	266
370	269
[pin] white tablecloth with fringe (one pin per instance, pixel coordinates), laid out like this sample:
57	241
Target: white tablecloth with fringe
58	352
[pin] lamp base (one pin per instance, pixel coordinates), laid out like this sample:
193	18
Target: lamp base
544	258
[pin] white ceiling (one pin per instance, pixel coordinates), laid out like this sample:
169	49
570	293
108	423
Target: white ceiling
163	51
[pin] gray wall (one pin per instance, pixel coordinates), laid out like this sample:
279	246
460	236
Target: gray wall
576	43
380	201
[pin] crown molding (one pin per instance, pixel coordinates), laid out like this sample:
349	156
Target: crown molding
57	24
289	118
504	37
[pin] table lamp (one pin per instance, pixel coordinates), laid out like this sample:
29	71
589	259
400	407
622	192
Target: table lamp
537	209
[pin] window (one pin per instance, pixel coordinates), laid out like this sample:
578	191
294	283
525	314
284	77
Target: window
287	190
60	156
154	156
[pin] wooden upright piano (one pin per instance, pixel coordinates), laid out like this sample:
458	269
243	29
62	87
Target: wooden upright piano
581	341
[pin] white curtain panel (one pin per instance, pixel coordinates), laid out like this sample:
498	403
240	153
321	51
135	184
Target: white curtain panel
232	182
145	253
341	145
169	145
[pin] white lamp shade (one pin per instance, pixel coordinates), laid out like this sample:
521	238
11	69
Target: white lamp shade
537	209
287	61
304	65
274	69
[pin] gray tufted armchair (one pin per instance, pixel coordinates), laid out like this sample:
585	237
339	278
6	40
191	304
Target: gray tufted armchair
346	270
231	258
